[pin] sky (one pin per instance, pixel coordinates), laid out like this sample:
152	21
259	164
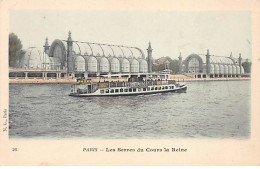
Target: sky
170	32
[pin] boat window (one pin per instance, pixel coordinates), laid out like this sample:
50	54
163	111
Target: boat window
152	88
116	90
163	88
172	87
166	87
112	91
125	90
155	88
148	89
107	91
121	90
130	90
134	90
101	91
144	89
139	89
159	88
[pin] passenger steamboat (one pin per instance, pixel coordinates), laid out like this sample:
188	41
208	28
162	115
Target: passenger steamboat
139	86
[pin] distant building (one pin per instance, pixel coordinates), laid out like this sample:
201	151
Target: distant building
211	66
160	61
166	71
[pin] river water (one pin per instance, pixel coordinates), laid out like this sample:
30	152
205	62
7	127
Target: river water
211	109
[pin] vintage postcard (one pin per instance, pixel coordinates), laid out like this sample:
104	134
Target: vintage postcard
130	82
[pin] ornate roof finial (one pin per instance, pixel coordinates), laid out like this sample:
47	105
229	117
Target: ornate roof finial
240	55
180	55
208	53
231	55
149	47
69	38
46	42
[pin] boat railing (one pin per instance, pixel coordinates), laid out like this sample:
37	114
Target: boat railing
92	87
135	84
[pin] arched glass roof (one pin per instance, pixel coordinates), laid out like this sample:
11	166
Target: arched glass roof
221	59
32	57
96	49
217	59
127	52
54	60
108	51
118	51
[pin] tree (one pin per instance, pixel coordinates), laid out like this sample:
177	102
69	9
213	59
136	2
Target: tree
15	47
161	67
20	55
174	66
155	68
247	66
158	68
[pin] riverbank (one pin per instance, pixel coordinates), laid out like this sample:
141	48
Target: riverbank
41	81
68	81
214	79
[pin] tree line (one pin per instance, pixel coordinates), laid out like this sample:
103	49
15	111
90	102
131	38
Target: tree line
247	66
173	66
15	50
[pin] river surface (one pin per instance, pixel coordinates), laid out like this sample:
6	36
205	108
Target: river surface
211	109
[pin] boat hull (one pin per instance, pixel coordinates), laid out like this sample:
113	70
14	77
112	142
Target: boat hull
182	89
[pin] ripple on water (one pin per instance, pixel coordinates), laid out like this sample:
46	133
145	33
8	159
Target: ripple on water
208	110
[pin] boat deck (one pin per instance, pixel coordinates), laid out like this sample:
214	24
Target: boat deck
105	84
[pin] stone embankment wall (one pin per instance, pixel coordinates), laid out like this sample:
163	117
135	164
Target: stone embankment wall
174	77
187	78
